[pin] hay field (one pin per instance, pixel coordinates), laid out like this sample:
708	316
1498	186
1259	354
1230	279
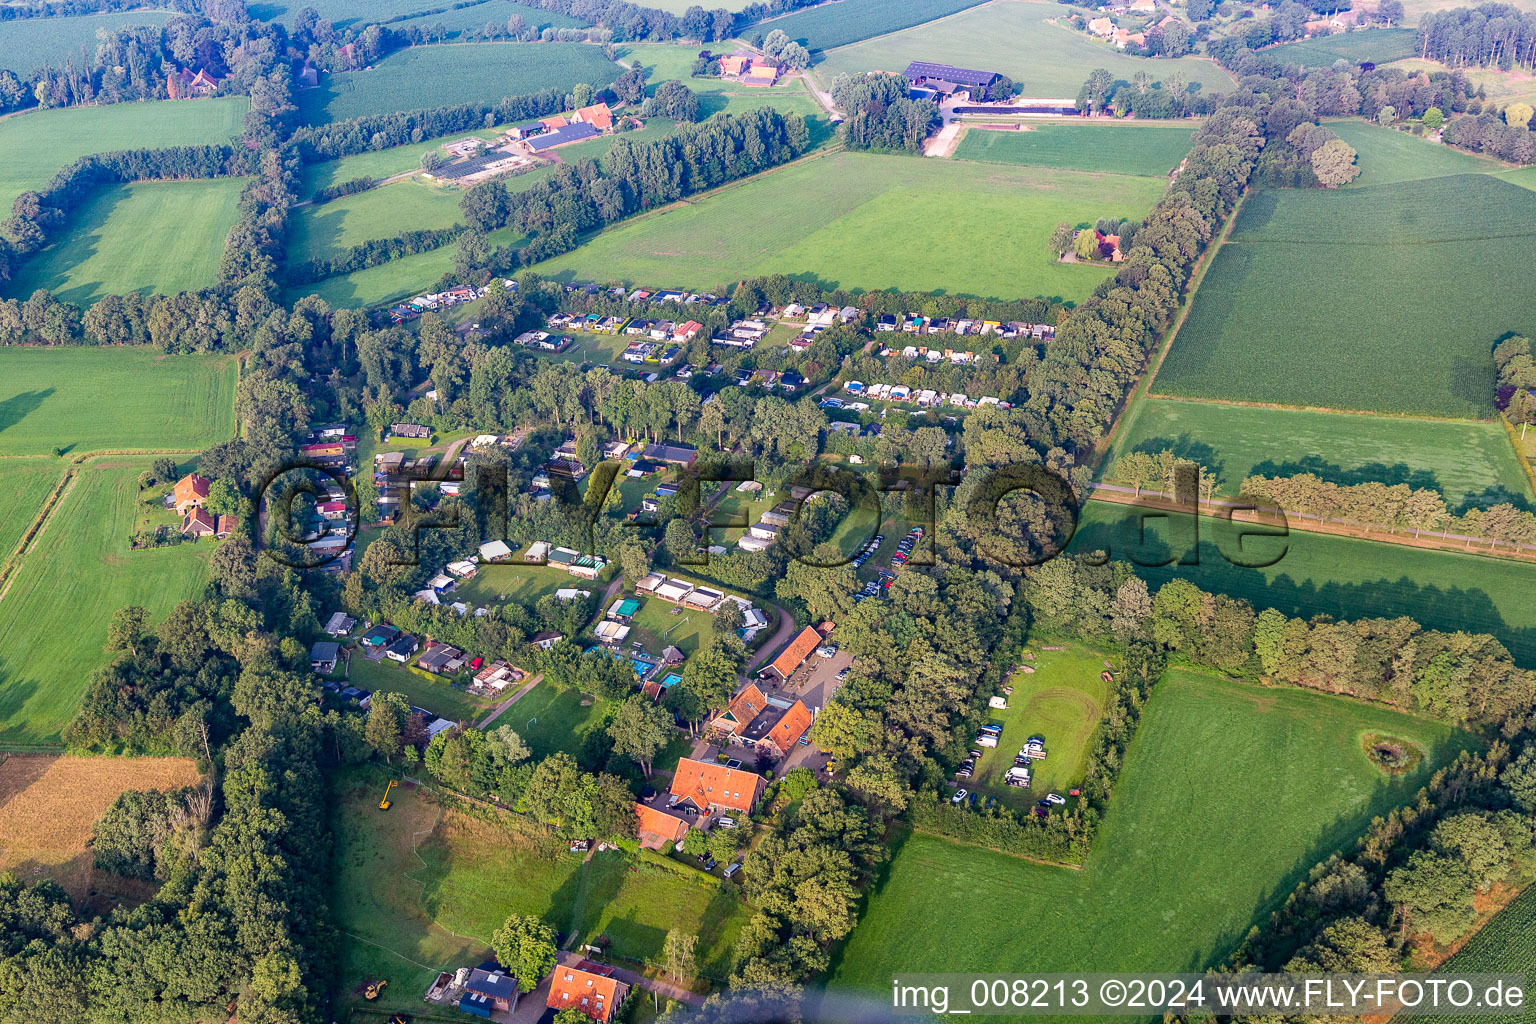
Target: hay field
327	229
49	804
1145	149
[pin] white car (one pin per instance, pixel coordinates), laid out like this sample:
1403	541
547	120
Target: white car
959	796
1055	799
725	822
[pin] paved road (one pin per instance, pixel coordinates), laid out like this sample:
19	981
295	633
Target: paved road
662	988
779	639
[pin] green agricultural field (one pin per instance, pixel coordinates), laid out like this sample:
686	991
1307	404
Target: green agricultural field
474	18
1229	794
669	61
1320	574
1461	460
634	910
435	76
1296	308
94	399
1503	946
1387	155
147	236
29	43
41	142
24	485
1062	700
1525	177
1377	46
1016	38
836	217
78	573
327	229
829	25
392	281
1147	149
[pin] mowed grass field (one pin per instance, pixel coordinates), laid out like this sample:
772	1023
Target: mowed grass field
1062	700
669	61
1305	304
41	142
1229	794
148	236
435	76
77	574
1145	149
49	806
1460	459
29	43
848	21
397	279
841	219
24	485
1016	38
327	229
1386	155
1320	574
1377	45
90	399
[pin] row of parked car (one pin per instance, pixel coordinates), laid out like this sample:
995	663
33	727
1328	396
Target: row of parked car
904	549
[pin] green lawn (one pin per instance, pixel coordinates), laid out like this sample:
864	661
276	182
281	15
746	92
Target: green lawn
634	910
1013	37
90	399
1387	155
24	485
1311	282
1229	794
658	628
1062	700
29	43
434	76
1320	574
422	688
551	718
394	280
1377	46
1461	459
148	236
518	582
984	227
39	143
80	571
326	229
1147	149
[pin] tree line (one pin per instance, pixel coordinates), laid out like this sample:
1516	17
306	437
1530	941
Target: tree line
1491	35
878	114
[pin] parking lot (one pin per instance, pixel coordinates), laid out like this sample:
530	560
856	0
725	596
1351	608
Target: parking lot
813	682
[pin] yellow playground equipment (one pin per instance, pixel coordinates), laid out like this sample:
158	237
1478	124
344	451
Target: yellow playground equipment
384	803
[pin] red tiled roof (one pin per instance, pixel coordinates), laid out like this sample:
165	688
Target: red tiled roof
788	730
660	823
597	115
190	490
798	650
591	993
706	784
745	706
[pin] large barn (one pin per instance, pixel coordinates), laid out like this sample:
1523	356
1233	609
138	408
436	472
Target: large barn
949	80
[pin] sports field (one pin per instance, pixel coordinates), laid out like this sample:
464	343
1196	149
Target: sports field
837	24
1229	794
1014	37
436	76
1147	149
41	142
1063	701
1320	574
91	399
984	229
1377	46
1387	155
324	230
1298	309
148	236
77	574
1459	459
29	43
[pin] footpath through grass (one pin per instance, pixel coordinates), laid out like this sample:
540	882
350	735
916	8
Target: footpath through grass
1321	574
86	399
78	573
1229	794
